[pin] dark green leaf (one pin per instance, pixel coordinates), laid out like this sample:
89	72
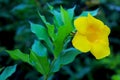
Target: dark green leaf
7	72
67	57
21	7
50	7
56	65
18	55
41	63
1	69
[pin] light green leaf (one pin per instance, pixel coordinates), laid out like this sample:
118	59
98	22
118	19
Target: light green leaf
66	17
39	48
67	57
41	63
93	13
41	33
51	31
7	72
18	55
63	32
50	27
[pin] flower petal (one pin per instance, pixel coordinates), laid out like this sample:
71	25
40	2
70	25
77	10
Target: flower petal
81	43
92	21
100	49
106	30
81	24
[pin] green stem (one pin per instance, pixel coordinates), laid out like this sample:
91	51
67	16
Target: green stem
51	67
47	76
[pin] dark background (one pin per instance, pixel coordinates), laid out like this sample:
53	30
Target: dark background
15	33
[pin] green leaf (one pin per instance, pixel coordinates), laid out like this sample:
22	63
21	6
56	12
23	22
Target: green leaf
50	27
41	33
50	7
66	17
56	65
67	57
18	55
21	7
39	48
93	13
42	18
7	72
1	69
51	31
57	18
63	32
116	77
71	12
41	63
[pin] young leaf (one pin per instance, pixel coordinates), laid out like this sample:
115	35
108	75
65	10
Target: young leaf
39	48
71	12
93	13
18	55
41	33
7	72
41	63
57	18
42	18
66	17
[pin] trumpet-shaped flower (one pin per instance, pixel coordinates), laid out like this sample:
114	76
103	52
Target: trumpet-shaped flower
91	35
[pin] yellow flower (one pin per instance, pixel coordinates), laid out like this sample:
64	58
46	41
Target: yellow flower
91	35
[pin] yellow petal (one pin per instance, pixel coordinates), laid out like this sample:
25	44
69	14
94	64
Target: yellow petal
100	49
81	24
81	43
92	21
106	30
104	33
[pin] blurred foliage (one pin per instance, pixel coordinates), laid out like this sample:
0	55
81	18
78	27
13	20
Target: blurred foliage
8	71
15	33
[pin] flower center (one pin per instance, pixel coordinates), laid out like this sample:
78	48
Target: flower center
92	33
